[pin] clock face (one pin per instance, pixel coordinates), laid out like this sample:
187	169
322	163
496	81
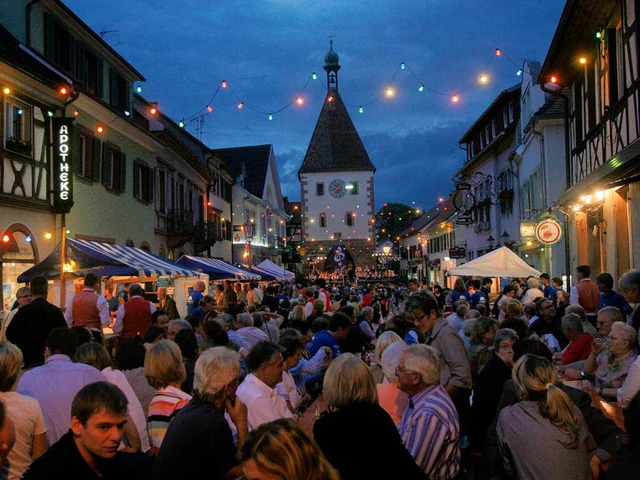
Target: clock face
337	188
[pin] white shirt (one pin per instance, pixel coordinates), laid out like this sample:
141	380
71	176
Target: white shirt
101	304
117	325
252	335
531	294
288	390
631	385
135	408
263	402
573	294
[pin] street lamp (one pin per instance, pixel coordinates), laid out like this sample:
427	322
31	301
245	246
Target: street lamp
491	242
249	232
386	249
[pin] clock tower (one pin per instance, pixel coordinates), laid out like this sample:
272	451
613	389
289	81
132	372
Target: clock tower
336	180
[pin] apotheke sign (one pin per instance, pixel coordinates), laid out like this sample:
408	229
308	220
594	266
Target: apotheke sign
62	164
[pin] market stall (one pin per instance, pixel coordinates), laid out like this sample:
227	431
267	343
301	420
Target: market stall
276	270
121	264
499	263
217	269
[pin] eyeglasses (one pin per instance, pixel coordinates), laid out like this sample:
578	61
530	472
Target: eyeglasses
399	369
24	296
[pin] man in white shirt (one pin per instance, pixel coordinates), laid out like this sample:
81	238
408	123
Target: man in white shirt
257	391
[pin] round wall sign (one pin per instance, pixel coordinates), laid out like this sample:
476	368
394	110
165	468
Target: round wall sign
548	232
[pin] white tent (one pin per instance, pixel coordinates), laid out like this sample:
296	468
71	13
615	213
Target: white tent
499	263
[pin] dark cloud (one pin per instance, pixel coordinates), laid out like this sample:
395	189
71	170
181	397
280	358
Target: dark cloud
267	50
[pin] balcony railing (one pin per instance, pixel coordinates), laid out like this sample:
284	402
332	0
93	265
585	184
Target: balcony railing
177	222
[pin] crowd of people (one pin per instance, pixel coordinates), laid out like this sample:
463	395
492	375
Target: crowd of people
321	381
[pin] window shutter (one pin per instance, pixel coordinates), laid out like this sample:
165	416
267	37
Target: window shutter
99	77
150	179
123	172
136	179
106	166
113	88
73	61
95	174
81	68
76	150
48	36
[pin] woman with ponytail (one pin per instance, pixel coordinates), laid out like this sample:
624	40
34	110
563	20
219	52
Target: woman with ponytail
544	435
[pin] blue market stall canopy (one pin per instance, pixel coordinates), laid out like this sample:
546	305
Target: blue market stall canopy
105	260
216	269
276	270
264	274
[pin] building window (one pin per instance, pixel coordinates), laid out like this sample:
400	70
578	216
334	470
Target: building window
319	189
90	70
349	219
142	181
114	163
354	190
88	161
337	236
58	44
18	130
323	220
119	92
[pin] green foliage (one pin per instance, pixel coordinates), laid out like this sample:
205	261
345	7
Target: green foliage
392	219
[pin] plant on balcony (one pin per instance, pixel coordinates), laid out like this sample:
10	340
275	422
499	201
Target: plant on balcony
18	145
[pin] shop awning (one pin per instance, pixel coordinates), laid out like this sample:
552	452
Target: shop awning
276	270
105	260
216	269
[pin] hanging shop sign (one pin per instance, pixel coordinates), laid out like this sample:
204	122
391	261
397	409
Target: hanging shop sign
527	229
457	252
548	231
62	164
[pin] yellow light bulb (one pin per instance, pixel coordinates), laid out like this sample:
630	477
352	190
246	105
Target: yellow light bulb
390	92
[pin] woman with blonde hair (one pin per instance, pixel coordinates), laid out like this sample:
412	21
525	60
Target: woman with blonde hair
24	412
350	391
165	371
297	313
384	340
544	435
459	291
282	450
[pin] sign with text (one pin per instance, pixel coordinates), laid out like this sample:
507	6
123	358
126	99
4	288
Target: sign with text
62	164
457	252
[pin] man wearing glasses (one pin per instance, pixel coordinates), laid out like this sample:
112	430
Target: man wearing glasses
455	375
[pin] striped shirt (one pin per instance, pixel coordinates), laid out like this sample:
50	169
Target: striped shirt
165	405
430	431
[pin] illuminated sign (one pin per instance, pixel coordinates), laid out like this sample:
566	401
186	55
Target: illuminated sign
62	164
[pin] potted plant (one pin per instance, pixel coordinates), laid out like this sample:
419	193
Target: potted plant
18	145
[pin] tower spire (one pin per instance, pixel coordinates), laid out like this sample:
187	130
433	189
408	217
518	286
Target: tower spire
331	66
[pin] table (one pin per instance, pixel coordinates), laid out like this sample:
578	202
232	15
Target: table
311	414
612	410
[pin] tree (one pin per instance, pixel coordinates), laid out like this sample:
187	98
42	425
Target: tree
392	219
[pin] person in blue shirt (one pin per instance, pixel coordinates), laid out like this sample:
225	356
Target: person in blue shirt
481	297
337	332
459	290
547	290
196	295
609	298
